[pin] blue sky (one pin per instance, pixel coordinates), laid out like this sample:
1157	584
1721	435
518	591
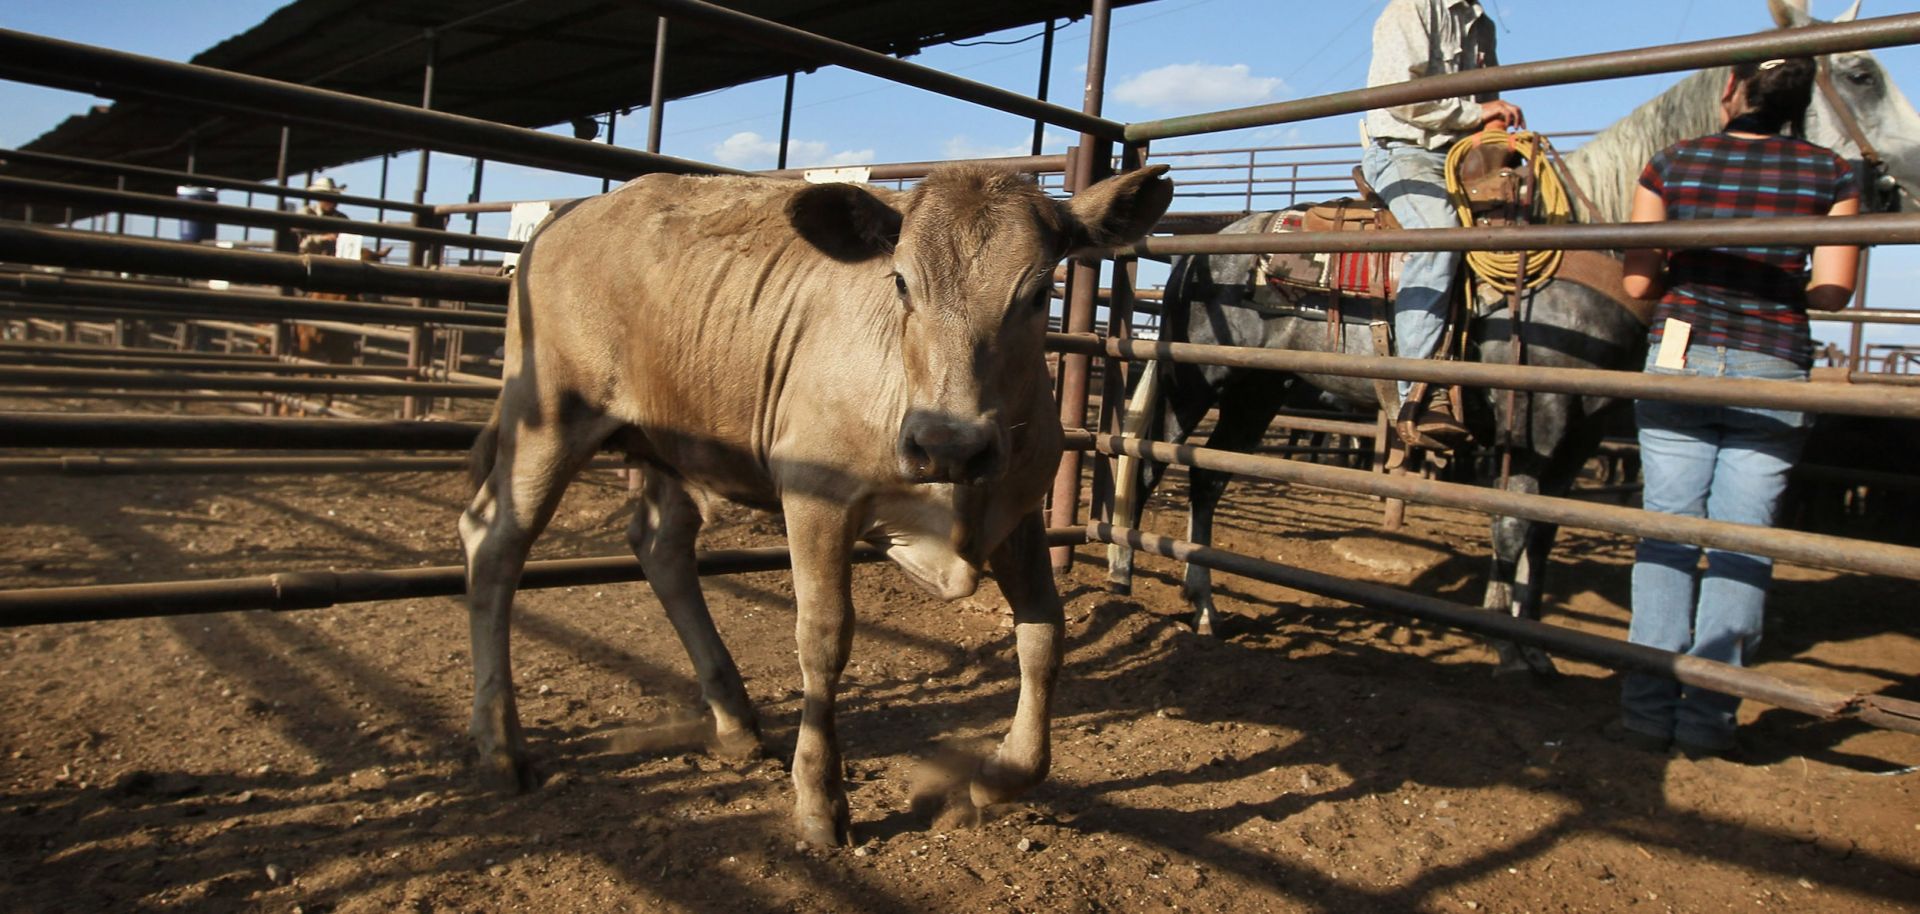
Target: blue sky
1167	57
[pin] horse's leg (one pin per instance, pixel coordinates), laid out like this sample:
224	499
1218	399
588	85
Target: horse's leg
820	537
1513	583
531	464
1245	412
665	524
1025	576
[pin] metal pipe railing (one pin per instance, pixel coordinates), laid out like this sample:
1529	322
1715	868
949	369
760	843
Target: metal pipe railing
34	244
183	380
1875	228
95	465
1825	38
79	195
1806	548
116	431
321	589
1877	710
189	361
32	157
1823	398
116	74
786	38
53	288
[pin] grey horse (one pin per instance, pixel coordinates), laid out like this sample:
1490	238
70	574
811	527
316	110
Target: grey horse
1211	299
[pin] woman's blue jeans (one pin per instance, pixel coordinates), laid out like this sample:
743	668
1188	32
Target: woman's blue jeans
1726	463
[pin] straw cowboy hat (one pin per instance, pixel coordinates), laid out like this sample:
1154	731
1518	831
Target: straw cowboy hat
325	186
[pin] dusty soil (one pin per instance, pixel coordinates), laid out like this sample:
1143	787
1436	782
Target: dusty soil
1315	757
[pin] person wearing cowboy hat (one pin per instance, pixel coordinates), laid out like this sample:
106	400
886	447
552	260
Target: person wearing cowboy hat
312	241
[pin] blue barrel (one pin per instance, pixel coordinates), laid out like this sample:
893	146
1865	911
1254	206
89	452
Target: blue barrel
193	230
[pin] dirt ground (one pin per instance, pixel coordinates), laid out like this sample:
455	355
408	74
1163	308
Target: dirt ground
1314	757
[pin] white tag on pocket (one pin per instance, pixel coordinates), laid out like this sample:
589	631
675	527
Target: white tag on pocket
1673	344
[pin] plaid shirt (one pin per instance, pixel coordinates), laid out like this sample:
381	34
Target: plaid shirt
1748	298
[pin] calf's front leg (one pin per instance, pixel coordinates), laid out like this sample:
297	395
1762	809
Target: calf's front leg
1026	578
820	536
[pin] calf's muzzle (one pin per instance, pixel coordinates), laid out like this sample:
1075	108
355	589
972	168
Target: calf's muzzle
940	448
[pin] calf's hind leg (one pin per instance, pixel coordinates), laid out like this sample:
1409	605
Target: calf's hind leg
531	466
662	535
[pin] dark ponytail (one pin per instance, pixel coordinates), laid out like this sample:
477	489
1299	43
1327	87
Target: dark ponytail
1778	92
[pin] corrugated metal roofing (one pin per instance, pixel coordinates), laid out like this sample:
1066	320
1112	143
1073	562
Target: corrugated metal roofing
525	62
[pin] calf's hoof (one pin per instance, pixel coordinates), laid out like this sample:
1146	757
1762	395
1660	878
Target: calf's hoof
505	772
824	830
739	745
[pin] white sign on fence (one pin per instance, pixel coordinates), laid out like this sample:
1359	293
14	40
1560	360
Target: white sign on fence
524	218
348	245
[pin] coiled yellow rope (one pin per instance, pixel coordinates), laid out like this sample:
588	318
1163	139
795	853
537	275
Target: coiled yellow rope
1500	269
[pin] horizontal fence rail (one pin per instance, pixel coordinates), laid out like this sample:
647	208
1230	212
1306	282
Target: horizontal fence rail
1806	548
96	465
90	250
1822	398
48	288
320	589
188	363
1875	228
186	380
108	430
76	163
1824	38
77	195
116	74
1878	710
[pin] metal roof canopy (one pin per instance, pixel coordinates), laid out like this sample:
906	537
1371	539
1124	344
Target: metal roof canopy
528	63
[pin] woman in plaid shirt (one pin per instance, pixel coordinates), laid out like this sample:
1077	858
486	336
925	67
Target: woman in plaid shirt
1731	312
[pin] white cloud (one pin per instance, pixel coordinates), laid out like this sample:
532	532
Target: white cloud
1185	86
747	149
963	146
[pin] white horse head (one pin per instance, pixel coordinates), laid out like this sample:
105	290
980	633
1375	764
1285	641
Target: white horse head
1886	117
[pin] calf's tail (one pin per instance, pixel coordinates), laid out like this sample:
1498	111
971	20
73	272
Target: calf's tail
480	459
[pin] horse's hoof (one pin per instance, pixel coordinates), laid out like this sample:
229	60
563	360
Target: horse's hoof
1120	588
1520	660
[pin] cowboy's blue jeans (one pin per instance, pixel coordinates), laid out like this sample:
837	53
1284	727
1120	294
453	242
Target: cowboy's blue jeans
1727	463
1413	182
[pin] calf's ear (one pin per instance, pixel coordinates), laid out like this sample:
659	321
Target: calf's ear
1120	210
845	221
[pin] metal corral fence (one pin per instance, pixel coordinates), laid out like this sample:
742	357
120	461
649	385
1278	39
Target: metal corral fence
433	293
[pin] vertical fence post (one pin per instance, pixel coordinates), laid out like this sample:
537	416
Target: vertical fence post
420	254
1082	285
1859	301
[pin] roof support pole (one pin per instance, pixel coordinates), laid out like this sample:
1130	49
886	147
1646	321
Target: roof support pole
426	103
1046	70
1083	282
657	98
786	123
613	120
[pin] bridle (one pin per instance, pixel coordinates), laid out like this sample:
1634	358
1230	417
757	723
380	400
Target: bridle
1882	193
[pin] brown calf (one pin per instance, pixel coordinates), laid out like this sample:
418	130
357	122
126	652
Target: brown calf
868	361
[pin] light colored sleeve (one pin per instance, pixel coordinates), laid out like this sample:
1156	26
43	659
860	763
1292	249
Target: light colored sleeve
1402	49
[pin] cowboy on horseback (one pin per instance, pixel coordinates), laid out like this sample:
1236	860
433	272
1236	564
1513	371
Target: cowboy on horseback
1405	162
